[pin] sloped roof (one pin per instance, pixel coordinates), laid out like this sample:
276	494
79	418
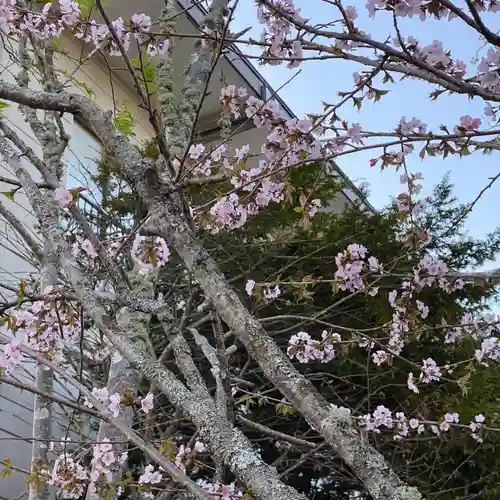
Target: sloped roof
195	12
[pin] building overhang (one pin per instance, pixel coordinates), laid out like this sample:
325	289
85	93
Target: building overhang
233	66
255	81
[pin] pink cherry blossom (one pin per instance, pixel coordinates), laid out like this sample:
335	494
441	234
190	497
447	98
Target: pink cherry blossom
221	491
423	309
379	357
88	248
101	394
476	426
470	124
351	13
12	356
63	197
354	132
149	253
199	447
229	213
196	150
141	22
313	207
411	383
413	126
114	404
157	49
147	403
271	293
430	371
249	287
150	476
303	348
490	350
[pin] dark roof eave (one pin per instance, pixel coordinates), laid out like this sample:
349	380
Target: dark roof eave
260	86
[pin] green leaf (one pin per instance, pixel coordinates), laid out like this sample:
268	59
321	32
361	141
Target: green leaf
335	50
168	448
110	492
284	409
263	401
247	400
147	70
34	478
8	194
7	470
379	94
356	102
6	473
430	151
464	150
58	46
75	194
124	120
462	383
447	149
22	290
387	78
150	72
3	105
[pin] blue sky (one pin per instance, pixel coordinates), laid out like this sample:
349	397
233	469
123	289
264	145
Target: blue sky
321	80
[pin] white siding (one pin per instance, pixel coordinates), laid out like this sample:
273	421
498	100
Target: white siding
16	405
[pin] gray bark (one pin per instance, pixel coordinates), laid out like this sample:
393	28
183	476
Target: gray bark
42	430
228	444
44	212
42	406
197	75
122	379
336	427
131	436
44	381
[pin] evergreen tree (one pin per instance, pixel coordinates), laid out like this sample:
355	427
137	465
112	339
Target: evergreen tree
284	246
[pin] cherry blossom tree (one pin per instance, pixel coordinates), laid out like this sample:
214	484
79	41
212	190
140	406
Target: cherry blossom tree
98	303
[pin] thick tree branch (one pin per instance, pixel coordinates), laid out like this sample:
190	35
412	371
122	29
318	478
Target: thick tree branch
168	221
227	442
123	429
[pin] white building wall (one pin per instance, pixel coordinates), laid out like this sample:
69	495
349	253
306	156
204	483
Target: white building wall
16	405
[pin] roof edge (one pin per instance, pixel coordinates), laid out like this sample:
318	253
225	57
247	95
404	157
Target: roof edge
195	12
